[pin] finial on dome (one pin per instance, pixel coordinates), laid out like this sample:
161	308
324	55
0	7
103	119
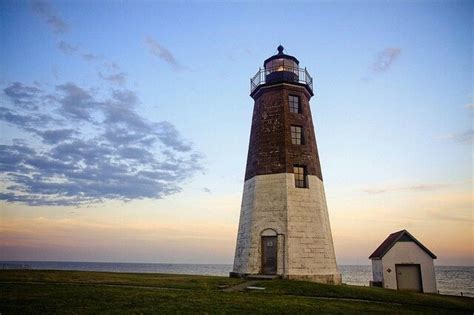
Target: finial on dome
280	49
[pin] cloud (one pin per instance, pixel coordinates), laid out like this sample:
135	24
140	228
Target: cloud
466	137
161	52
93	146
56	136
457	216
168	134
207	190
111	66
70	49
67	48
385	59
24	121
75	102
55	72
115	78
91	57
50	17
23	96
403	188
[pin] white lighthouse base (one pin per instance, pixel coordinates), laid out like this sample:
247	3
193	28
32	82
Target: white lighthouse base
298	218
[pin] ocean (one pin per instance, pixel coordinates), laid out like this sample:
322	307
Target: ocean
451	280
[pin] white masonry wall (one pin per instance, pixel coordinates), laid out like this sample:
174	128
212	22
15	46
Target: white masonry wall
408	253
310	245
299	216
263	207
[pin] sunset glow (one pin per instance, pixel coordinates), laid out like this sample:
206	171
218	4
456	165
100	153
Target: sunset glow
125	125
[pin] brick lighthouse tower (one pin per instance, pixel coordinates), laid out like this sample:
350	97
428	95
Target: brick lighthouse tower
284	225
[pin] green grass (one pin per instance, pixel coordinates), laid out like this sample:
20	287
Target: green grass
74	292
114	278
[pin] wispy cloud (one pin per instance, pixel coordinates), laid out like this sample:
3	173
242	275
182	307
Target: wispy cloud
55	72
88	144
466	137
91	57
457	216
70	49
406	188
115	78
111	66
385	59
67	48
107	70
162	52
95	147
55	136
50	17
22	95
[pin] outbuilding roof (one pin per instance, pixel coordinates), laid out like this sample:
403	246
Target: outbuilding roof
403	236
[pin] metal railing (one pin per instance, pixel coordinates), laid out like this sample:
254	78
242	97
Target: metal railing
301	75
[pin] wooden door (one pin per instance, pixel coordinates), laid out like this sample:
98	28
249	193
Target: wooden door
269	255
409	277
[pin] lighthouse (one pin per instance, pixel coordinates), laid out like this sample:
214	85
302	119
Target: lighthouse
284	225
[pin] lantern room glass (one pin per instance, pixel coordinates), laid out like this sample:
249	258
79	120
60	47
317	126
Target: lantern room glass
281	64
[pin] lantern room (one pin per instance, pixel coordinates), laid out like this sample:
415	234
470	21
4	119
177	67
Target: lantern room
281	68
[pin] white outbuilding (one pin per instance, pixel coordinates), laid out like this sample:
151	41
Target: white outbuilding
401	262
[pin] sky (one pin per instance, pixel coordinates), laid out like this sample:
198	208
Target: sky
125	124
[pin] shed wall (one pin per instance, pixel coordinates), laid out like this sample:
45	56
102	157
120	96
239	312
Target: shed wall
409	253
377	270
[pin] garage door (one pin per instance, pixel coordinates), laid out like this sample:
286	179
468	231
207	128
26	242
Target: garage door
409	277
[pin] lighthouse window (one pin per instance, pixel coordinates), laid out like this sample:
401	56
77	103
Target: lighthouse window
300	176
294	104
297	135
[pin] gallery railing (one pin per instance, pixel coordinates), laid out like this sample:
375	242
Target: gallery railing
281	74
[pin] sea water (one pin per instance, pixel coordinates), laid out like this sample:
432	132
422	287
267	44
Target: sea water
450	279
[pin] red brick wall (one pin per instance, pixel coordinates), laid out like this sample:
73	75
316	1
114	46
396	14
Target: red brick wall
270	147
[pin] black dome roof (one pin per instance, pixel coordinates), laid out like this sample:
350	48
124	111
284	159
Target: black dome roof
281	55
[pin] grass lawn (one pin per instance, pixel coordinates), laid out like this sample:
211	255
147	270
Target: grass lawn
75	292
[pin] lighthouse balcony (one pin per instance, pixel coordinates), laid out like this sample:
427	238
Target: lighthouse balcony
280	74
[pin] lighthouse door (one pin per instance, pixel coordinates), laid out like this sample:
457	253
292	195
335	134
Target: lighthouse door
269	255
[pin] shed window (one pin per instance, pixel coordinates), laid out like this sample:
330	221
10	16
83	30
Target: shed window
294	104
297	135
300	176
